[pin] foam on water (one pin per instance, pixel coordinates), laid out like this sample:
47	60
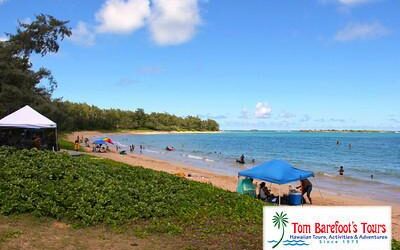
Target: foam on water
152	151
195	157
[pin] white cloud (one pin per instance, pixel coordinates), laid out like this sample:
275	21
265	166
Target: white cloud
337	120
286	115
123	16
3	38
150	70
174	21
348	3
214	117
244	114
354	31
305	118
125	81
353	2
263	110
26	20
394	120
170	22
83	35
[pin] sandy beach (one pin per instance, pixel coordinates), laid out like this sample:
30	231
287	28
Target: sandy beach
320	197
137	132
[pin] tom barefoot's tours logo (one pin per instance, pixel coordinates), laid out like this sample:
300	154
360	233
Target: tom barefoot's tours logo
280	221
327	228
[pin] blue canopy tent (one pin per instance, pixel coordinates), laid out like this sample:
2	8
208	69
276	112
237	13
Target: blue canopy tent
99	141
276	171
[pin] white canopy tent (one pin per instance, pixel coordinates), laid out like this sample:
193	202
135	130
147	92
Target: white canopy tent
28	118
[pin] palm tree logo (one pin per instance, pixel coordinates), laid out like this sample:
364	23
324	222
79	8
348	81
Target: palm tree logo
280	220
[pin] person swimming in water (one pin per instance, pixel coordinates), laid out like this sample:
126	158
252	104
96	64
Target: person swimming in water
241	159
341	170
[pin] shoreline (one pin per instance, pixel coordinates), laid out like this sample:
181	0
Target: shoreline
322	197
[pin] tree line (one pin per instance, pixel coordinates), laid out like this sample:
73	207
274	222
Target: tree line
81	116
21	84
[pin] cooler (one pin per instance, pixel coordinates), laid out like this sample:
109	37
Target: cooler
295	199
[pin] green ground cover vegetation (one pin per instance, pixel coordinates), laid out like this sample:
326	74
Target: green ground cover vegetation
87	191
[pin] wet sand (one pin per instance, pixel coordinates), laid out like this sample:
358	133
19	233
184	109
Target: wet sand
320	197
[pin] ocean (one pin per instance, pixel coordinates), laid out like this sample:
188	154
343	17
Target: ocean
376	154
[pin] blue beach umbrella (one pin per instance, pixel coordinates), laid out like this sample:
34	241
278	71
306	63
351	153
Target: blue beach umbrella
276	171
99	141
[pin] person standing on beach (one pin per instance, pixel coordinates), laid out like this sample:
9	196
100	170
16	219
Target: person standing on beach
306	187
76	145
141	148
37	143
341	170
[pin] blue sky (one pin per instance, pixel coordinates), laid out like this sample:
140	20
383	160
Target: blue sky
248	64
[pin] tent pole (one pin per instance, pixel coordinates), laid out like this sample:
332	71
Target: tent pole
279	202
56	147
318	188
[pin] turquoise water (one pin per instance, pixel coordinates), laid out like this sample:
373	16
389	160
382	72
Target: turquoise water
376	154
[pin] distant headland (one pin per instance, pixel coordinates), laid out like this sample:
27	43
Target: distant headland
344	131
319	131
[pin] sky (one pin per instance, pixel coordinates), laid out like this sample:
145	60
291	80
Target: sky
254	64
